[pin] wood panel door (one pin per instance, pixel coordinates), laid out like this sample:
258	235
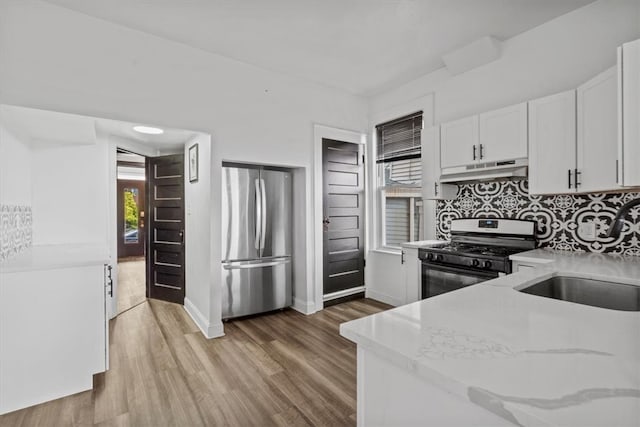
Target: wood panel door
165	254
343	217
131	218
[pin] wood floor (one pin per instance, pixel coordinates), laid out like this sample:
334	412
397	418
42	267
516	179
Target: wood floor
131	283
278	369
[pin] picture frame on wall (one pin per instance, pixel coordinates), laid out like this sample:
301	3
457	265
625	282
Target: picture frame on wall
193	163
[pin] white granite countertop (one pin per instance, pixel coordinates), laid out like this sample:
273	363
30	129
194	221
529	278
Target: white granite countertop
46	257
421	244
532	360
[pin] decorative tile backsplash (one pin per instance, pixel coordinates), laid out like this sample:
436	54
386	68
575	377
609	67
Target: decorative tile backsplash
558	216
15	230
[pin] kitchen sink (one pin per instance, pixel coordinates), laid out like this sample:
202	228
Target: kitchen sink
596	293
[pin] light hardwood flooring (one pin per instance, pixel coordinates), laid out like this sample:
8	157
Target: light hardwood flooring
131	283
277	369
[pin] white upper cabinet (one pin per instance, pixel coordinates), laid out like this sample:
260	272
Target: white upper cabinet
597	153
552	144
503	134
432	189
494	136
629	114
459	142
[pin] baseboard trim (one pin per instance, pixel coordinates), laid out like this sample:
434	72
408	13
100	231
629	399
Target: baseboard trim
379	296
304	307
208	330
344	293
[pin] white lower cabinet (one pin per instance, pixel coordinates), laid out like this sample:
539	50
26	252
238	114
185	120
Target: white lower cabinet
517	266
412	274
53	334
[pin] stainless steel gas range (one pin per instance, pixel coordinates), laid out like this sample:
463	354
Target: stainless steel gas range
478	251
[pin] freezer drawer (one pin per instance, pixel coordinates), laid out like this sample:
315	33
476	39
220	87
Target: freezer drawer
251	287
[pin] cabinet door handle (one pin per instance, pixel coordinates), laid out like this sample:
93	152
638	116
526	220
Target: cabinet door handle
575	175
401	257
569	177
481	152
474	151
618	172
435	188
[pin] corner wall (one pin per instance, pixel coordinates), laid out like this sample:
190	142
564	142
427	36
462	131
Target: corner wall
16	219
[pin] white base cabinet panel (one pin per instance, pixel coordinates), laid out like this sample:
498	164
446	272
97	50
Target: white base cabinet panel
392	396
52	334
412	274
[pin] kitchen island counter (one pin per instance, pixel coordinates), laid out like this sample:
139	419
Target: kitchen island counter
503	357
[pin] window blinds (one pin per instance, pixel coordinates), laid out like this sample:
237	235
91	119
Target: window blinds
400	139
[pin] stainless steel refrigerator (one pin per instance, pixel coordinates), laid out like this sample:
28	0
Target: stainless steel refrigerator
256	240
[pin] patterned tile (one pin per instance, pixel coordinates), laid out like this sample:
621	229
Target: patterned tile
557	216
16	224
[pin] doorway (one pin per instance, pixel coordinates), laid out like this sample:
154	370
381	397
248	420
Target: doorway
131	229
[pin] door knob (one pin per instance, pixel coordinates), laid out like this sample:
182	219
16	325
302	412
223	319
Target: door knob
326	220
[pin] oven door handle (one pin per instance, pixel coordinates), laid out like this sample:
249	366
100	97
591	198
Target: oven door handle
466	272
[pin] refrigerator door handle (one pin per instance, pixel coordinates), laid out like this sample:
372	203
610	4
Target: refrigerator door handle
263	215
253	264
258	207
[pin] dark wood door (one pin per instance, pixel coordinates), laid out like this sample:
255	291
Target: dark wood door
131	218
343	219
165	254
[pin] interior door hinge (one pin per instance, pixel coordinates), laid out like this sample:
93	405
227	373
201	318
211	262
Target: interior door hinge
363	159
364	262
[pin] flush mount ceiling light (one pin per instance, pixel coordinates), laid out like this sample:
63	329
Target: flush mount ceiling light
148	130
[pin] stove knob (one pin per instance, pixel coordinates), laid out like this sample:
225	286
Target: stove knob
487	264
474	263
429	256
438	257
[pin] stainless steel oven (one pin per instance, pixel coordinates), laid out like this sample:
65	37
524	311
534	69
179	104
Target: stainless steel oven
438	279
478	251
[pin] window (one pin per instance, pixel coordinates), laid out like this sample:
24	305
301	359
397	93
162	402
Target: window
400	180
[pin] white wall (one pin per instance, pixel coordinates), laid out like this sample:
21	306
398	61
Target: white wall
57	59
555	56
200	284
15	169
70	195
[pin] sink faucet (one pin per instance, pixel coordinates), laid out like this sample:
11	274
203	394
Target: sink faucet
618	221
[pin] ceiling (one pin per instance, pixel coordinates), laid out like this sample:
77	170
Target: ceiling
361	46
44	129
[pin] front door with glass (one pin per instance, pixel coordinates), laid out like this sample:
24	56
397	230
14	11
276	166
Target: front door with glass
131	218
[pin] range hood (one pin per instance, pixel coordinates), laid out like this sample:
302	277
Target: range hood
485	171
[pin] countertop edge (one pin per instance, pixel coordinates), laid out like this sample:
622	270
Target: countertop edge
54	257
